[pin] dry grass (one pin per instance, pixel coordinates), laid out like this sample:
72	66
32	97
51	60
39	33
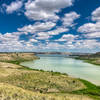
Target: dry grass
45	82
7	69
21	84
9	92
9	65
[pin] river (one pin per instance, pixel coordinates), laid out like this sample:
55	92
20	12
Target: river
73	67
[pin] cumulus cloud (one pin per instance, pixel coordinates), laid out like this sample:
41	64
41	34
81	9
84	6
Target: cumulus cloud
56	31
69	19
87	44
43	30
67	38
33	40
37	27
96	14
14	6
51	46
50	34
11	42
79	45
92	30
43	36
45	9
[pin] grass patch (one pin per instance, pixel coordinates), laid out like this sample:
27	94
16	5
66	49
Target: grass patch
43	82
9	92
91	90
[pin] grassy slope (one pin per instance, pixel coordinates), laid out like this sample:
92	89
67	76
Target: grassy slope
9	92
44	82
16	58
56	86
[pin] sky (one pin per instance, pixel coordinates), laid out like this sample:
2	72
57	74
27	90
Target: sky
50	25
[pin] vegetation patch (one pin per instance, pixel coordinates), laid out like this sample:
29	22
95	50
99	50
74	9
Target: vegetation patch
9	92
91	90
43	82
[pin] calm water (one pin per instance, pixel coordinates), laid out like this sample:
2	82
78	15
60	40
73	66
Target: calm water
76	68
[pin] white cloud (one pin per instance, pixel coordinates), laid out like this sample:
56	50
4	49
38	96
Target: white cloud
43	36
96	14
37	27
45	9
11	42
14	6
93	35
50	34
52	46
57	31
79	45
33	40
69	19
92	30
67	38
87	44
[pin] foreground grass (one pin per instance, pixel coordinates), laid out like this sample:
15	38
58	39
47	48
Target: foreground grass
43	82
9	92
91	90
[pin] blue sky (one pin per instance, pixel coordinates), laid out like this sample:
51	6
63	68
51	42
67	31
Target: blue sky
50	25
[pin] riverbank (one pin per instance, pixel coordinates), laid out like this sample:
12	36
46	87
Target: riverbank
42	85
17	58
89	58
92	59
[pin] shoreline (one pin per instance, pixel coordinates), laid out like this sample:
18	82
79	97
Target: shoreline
87	61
